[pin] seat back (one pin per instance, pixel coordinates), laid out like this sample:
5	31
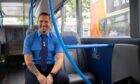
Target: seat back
71	38
125	62
14	40
2	40
2	36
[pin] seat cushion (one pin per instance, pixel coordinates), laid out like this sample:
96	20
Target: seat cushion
72	38
76	79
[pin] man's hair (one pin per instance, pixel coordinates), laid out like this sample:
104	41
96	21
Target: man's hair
43	13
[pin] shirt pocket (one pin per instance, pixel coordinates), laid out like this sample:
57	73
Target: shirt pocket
36	50
36	54
51	48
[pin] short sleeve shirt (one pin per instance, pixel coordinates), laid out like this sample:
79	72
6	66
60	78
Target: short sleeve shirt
32	46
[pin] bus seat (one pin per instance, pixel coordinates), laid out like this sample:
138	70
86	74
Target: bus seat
71	38
2	36
14	41
30	30
125	62
2	40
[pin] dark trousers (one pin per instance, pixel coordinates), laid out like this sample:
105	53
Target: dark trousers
60	78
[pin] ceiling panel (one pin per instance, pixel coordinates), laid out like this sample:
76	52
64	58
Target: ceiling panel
14	8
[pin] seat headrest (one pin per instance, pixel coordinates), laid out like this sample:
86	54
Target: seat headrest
29	31
70	38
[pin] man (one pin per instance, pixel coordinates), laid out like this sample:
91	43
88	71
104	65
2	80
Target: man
33	51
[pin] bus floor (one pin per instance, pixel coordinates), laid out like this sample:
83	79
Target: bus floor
14	75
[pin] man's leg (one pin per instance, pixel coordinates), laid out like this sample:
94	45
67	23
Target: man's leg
61	78
30	78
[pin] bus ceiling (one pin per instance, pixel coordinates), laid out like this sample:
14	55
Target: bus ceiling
19	8
42	6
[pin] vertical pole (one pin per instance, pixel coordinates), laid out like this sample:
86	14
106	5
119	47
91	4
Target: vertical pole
31	16
23	1
79	17
135	18
1	17
62	19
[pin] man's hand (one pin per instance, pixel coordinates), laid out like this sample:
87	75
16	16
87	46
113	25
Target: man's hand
49	79
42	79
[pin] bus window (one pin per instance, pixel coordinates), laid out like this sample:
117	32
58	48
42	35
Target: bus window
106	18
13	13
69	17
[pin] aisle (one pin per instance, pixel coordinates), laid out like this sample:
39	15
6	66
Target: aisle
14	75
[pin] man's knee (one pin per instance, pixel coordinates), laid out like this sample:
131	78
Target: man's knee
62	78
66	80
30	78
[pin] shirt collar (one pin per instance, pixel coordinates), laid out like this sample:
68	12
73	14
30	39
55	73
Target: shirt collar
39	33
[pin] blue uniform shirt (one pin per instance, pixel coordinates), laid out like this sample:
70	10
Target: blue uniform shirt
32	46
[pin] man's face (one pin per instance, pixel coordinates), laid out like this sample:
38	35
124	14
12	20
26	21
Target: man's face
43	23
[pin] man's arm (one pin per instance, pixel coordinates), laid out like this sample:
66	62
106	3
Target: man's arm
30	65
58	64
34	70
